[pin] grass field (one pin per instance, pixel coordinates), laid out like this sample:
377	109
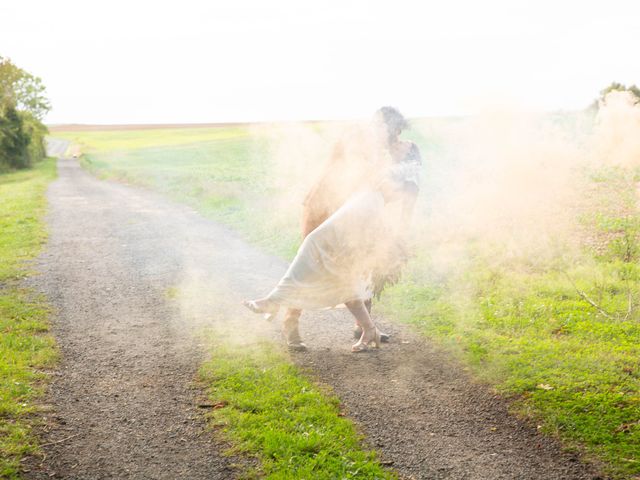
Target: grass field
561	336
25	347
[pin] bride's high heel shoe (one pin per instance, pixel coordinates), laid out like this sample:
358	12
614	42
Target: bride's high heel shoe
268	314
363	346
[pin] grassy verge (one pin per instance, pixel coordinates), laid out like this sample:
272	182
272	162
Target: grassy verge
568	367
528	328
25	348
270	410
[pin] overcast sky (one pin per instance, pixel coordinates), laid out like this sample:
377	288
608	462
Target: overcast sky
128	61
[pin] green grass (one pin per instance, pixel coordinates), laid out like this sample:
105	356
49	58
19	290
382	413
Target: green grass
270	410
572	370
25	347
521	323
125	140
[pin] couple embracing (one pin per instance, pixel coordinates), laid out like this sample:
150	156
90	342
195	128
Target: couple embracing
354	222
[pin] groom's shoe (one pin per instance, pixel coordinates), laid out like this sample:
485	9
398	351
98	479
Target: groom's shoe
384	337
291	333
297	346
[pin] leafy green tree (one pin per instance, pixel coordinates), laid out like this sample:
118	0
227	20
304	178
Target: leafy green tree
23	105
23	90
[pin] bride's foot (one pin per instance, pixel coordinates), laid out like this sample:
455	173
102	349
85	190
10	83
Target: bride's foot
357	333
368	340
264	306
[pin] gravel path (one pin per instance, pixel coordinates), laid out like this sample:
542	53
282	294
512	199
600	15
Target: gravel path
135	278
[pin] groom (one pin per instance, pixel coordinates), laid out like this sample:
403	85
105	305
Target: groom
343	175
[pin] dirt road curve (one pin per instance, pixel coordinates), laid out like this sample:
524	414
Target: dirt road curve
124	404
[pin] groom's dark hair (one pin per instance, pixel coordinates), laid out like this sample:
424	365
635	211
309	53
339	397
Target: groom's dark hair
393	118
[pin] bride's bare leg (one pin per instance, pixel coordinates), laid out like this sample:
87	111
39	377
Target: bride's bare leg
357	330
359	311
363	319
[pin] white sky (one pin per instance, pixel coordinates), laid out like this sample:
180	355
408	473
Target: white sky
205	61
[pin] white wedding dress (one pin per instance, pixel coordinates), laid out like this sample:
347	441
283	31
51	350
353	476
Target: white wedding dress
336	262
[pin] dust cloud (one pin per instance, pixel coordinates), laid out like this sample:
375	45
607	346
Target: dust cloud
504	185
616	139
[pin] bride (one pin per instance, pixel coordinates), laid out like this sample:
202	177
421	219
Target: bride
339	262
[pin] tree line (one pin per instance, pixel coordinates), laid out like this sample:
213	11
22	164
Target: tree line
616	87
23	105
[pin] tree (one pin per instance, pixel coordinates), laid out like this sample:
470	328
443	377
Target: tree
22	90
23	105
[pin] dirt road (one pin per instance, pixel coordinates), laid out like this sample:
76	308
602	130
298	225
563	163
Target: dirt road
56	147
124	403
